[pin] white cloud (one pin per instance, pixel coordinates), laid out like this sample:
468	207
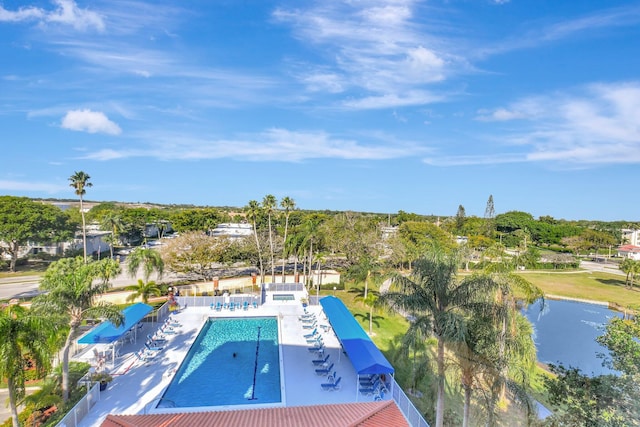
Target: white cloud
22	14
271	145
591	125
66	12
8	185
89	121
373	46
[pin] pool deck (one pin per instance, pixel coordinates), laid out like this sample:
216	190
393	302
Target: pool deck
137	386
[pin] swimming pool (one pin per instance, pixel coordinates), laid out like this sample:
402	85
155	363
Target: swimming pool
233	361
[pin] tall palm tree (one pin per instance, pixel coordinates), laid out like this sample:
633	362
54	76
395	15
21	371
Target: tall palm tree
439	303
72	289
253	211
80	181
144	290
270	204
149	259
113	223
288	204
25	338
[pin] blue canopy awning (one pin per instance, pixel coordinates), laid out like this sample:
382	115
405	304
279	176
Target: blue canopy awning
106	332
363	353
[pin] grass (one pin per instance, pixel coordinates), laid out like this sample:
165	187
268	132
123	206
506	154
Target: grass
593	286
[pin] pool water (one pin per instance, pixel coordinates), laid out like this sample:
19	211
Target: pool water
232	362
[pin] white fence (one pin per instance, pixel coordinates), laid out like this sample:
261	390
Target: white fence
411	413
82	408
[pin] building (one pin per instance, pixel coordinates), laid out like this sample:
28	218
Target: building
630	237
233	230
629	251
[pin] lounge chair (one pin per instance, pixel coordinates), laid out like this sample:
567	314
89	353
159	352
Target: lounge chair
232	306
219	306
324	371
320	362
255	304
245	306
157	340
312	333
332	385
151	347
306	317
317	347
367	379
310	325
145	356
212	306
314	340
371	389
309	320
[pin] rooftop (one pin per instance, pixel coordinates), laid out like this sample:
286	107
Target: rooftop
138	386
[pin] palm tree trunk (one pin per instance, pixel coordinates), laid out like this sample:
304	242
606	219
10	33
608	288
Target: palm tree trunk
15	421
65	364
273	264
284	247
467	406
440	395
255	233
370	320
84	231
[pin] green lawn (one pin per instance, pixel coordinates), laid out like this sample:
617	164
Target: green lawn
594	286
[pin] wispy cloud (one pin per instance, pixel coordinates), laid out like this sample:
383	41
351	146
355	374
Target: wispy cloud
592	125
585	26
271	145
375	46
47	187
90	121
66	12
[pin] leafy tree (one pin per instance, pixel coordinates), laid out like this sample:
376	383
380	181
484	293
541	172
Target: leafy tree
288	204
489	216
113	223
631	268
197	219
601	401
513	220
72	288
80	181
269	205
439	304
622	338
23	221
461	217
143	290
149	259
25	340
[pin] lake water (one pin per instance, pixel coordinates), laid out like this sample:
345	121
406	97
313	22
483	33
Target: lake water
565	332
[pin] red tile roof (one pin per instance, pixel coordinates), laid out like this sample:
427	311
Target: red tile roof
366	414
629	248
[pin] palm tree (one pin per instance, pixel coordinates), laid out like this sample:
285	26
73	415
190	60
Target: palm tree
288	204
269	204
25	338
112	222
149	259
371	301
72	288
80	181
143	290
253	211
630	268
439	303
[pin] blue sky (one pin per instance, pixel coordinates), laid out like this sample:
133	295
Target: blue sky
366	105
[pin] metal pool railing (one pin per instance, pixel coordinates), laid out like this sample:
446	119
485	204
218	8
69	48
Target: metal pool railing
82	408
411	413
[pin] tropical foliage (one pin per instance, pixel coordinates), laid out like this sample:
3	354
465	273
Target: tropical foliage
72	289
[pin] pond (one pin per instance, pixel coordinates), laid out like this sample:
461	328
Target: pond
565	332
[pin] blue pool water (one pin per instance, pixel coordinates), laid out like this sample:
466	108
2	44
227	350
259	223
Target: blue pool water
565	332
220	367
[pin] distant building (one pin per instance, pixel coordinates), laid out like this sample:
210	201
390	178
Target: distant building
233	230
629	251
630	237
389	231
